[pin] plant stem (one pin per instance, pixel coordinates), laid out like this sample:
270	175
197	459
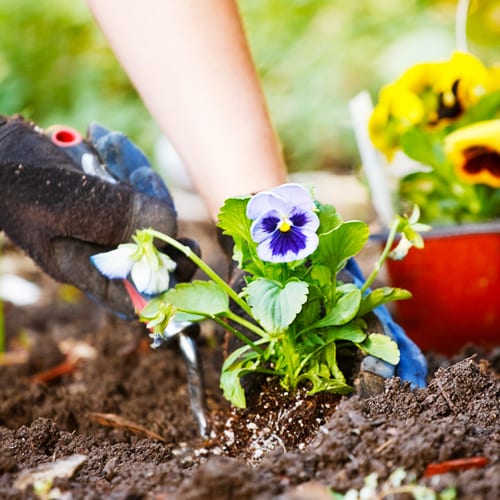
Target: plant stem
289	351
247	324
238	334
227	326
383	256
203	266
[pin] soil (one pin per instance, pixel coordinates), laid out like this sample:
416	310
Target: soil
122	412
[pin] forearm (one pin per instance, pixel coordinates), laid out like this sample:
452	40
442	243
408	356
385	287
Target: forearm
190	63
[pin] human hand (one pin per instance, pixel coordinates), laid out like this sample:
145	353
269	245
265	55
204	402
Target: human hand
63	200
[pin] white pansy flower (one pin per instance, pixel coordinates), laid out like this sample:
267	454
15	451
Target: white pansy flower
149	269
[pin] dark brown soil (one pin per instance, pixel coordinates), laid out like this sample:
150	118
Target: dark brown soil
281	447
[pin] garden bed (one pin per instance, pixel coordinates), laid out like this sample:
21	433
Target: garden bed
281	447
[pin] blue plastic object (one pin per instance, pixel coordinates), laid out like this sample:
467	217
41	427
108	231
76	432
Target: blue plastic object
412	366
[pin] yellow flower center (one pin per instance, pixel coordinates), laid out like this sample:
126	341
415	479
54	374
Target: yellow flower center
285	225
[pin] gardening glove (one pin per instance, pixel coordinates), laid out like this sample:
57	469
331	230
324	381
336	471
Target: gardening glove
412	366
63	199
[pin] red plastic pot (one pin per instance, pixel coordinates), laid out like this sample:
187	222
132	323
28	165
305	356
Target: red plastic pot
455	282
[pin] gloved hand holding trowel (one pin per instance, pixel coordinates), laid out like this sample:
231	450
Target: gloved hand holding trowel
65	199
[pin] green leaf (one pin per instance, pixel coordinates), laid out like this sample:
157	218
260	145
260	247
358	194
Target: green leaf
381	296
152	308
235	224
275	306
423	147
312	339
325	384
486	108
340	244
345	309
311	310
230	384
322	274
232	218
328	218
239	353
352	331
205	297
330	356
381	346
230	379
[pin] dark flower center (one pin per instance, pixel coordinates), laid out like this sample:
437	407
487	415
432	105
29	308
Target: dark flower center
293	240
479	158
269	224
299	219
449	106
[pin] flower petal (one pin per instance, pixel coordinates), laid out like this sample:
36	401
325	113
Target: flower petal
264	226
293	245
160	281
281	198
115	263
306	220
265	202
141	275
295	195
148	281
167	262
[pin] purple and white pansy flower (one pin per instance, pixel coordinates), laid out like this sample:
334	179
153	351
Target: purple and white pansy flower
284	223
149	270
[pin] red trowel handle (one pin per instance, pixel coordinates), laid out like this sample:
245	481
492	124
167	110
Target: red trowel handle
71	141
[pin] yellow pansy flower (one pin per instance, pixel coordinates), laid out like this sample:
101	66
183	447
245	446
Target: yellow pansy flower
475	152
470	76
430	95
447	88
397	111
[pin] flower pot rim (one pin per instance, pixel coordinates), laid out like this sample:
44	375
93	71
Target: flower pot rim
451	230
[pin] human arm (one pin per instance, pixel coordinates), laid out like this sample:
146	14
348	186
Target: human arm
191	64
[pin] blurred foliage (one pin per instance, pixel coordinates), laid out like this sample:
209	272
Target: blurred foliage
56	67
312	55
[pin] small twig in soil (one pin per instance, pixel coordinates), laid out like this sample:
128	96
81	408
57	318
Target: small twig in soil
67	367
383	446
113	420
446	396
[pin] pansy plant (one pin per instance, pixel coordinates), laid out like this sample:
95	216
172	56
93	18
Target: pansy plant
295	313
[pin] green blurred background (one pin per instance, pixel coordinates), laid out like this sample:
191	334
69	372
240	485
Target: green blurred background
312	55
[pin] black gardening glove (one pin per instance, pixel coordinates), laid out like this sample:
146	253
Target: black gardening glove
63	200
